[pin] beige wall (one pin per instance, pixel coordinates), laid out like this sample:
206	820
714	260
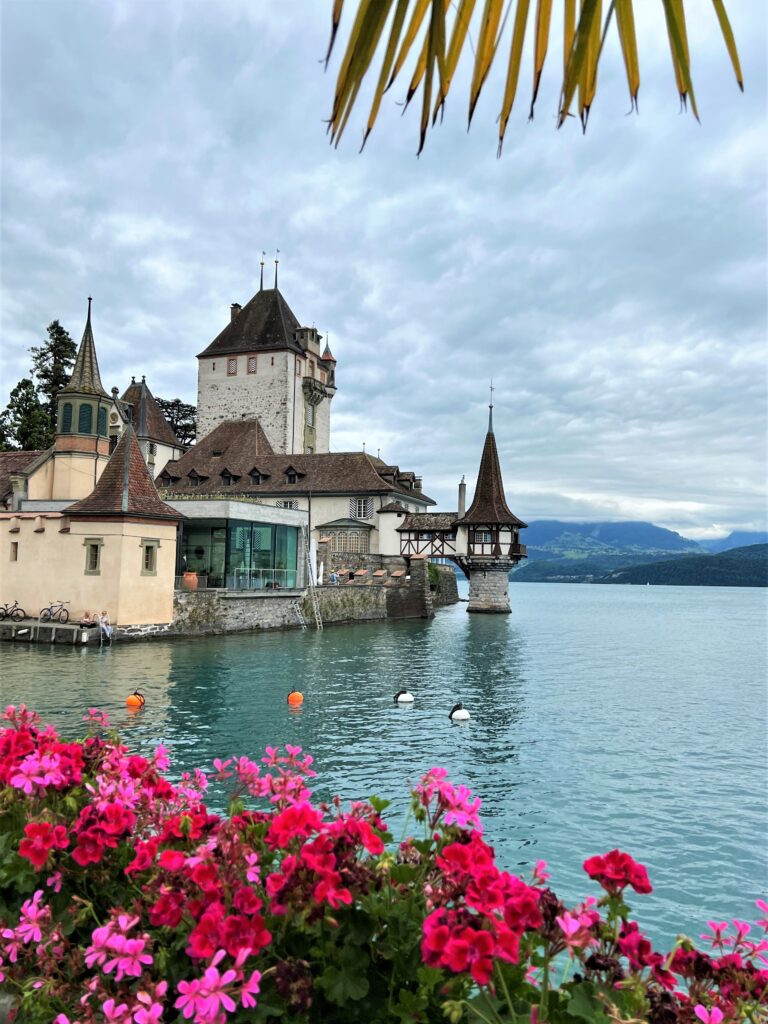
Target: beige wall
51	566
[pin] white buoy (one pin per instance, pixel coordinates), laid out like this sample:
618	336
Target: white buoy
403	697
458	713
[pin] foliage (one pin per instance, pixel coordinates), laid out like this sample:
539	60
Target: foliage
442	43
123	899
181	418
52	367
24	422
738	567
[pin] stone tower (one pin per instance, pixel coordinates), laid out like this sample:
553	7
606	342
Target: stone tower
493	535
265	366
81	448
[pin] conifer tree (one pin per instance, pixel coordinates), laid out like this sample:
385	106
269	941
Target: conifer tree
52	367
24	423
181	418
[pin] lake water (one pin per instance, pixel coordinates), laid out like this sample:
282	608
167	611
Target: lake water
601	717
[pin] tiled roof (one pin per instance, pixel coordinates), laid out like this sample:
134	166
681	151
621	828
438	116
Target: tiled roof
328	355
392	506
85	379
13	462
148	420
489	506
125	487
266	322
243	448
347	524
428	521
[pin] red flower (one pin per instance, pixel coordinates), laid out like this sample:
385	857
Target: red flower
205	938
145	857
90	847
172	860
167	910
616	870
246	901
42	837
297	821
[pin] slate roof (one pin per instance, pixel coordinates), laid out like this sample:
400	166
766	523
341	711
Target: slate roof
85	379
13	462
266	322
428	521
489	506
244	448
125	488
148	420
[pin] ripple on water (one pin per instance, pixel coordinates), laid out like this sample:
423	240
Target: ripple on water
601	716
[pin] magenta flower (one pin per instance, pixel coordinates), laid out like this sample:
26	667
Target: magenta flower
113	1012
191	1000
32	916
249	989
713	1016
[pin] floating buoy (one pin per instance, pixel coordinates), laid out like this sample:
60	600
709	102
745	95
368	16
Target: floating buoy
403	697
295	698
458	713
135	700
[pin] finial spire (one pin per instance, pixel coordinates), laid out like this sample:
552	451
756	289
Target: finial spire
261	275
90	300
490	409
277	254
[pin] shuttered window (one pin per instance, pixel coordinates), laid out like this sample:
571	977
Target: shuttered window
85	420
66	418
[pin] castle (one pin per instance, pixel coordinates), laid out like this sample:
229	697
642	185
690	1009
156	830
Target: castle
116	512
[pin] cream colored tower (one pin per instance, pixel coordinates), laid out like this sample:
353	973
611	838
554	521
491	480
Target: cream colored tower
265	366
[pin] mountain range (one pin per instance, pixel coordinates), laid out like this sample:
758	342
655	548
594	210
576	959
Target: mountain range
567	552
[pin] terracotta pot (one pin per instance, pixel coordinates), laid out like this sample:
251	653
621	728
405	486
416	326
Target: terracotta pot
189	581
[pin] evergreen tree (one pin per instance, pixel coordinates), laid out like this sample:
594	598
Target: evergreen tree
181	418
24	423
52	367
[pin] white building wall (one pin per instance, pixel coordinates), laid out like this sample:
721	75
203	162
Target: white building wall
266	395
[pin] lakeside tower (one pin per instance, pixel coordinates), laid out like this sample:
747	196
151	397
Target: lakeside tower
265	366
493	535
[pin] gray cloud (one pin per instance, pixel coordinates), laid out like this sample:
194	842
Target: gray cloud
612	285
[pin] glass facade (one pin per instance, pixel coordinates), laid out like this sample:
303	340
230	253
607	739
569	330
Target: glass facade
240	555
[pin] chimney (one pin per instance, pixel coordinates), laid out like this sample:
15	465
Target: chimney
462	498
235	309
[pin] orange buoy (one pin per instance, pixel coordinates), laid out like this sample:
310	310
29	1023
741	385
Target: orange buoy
295	698
135	700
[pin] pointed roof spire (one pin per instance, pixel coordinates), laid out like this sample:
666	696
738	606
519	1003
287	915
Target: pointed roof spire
85	379
490	409
489	506
125	488
327	354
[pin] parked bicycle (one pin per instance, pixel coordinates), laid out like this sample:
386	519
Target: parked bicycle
12	611
55	611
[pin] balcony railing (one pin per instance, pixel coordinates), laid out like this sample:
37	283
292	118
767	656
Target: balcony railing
244	579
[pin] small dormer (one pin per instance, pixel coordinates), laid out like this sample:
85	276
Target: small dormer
228	478
257	477
195	478
292	475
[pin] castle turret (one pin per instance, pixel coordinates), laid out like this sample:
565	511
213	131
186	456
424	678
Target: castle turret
264	365
493	535
81	448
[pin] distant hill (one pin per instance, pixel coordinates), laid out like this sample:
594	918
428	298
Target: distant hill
737	567
737	539
552	539
583	570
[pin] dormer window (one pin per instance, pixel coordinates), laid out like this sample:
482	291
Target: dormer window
292	476
216	454
257	477
194	479
165	478
227	478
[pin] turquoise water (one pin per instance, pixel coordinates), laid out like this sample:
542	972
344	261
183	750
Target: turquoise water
601	717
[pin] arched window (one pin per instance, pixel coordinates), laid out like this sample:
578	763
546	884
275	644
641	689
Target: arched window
66	418
102	422
85	419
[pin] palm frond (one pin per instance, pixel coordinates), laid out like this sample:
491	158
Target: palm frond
439	32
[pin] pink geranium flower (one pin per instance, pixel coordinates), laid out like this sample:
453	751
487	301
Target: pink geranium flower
713	1016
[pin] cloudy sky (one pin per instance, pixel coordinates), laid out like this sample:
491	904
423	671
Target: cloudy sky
613	284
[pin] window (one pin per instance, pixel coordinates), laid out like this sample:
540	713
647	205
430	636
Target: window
291	476
256	476
93	546
217	453
298	367
66	418
213	367
14	551
85	419
360	508
311	368
194	479
149	556
310	415
287	503
102	421
483	537
353	542
251	364
232	367
152	448
226	478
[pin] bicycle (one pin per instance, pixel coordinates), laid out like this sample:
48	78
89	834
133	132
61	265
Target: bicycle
55	610
12	611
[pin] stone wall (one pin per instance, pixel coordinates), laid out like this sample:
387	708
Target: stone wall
351	603
266	395
489	587
447	591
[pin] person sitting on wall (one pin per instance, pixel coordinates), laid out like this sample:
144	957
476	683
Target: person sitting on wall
106	626
88	619
333	578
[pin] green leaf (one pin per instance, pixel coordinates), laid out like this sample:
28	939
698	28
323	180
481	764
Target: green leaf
341	986
585	1005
